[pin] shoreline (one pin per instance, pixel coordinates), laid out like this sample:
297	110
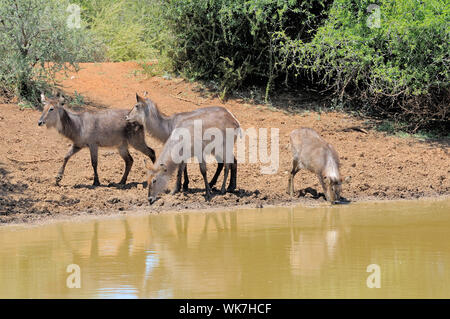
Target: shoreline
81	216
382	167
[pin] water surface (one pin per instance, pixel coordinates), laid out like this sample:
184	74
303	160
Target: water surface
299	252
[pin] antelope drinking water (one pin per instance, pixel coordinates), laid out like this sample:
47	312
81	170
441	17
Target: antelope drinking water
312	152
167	128
160	126
107	128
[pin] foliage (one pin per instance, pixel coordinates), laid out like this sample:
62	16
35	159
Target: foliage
36	43
231	41
389	59
132	29
397	66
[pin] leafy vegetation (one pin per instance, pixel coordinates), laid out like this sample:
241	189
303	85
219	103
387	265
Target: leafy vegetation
36	42
389	60
231	42
132	29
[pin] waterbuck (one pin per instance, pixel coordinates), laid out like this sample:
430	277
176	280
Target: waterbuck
310	151
190	136
106	128
160	126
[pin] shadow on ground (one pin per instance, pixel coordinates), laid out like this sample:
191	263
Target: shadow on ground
10	204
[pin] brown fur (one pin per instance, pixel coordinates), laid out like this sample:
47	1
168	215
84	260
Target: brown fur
161	126
106	128
310	151
213	117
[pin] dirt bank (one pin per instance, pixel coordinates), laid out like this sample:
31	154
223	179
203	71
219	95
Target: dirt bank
382	167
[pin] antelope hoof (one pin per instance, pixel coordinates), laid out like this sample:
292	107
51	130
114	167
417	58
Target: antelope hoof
151	200
96	183
186	186
231	189
223	191
58	178
208	197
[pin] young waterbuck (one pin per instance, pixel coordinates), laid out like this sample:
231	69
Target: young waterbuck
160	126
106	128
225	126
310	151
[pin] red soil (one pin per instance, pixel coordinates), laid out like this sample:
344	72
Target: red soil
381	167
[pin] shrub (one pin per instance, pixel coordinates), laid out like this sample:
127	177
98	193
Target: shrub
231	41
132	29
36	43
396	67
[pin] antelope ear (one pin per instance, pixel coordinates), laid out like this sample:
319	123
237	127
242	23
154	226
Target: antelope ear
42	97
139	99
148	165
347	180
145	93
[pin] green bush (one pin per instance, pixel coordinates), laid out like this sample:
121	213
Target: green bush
131	29
397	66
231	41
36	42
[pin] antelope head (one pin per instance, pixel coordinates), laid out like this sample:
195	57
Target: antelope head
157	178
50	114
137	113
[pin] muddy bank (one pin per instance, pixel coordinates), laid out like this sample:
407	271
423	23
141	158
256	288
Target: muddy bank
382	167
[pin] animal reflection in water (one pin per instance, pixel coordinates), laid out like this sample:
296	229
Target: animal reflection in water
310	249
152	251
186	255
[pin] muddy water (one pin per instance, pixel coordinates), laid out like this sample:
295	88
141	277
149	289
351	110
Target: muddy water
319	252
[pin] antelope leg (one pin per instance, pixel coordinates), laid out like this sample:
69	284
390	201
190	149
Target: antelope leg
232	185
138	142
216	175
205	179
225	177
123	151
186	179
72	151
94	161
180	171
294	171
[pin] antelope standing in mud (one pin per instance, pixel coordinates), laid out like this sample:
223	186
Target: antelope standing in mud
312	152
167	128
106	128
160	126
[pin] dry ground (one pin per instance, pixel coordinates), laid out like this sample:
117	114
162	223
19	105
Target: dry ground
382	167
